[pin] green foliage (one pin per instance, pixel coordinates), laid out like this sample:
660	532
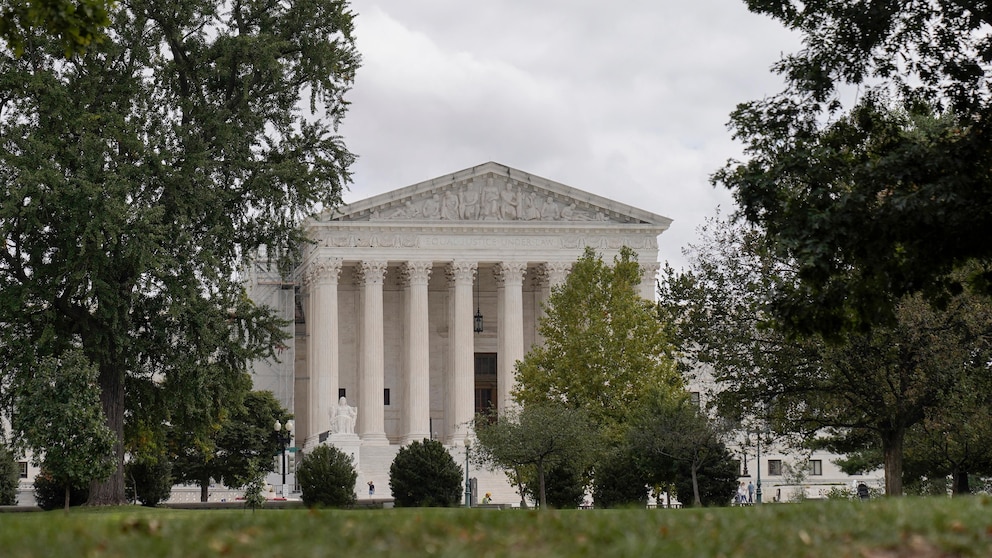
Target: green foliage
327	477
677	442
255	489
424	474
603	349
74	23
59	416
9	476
535	439
564	486
139	179
861	389
618	481
879	195
245	441
49	493
149	480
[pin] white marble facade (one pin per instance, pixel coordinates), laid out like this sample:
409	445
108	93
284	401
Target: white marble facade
384	300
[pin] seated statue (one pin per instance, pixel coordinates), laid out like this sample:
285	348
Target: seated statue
343	417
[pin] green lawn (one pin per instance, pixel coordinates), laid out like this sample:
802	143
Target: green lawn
907	527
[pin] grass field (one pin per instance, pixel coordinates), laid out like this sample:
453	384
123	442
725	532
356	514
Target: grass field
906	527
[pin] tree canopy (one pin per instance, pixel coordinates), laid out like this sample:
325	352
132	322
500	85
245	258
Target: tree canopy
603	347
863	389
74	23
869	170
137	179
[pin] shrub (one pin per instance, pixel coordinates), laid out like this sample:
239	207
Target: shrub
49	493
618	482
327	477
9	477
148	481
425	474
564	486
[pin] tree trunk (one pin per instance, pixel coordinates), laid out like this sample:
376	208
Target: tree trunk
520	488
696	500
960	484
892	443
110	492
67	492
205	490
540	478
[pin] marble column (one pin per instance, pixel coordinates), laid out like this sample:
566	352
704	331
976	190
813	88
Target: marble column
371	363
649	277
321	281
416	420
549	276
460	375
509	282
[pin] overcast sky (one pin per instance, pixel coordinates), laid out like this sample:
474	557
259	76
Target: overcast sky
627	99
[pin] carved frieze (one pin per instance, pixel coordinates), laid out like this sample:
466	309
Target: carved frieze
491	198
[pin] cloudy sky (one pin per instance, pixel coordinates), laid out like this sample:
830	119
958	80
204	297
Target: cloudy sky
627	99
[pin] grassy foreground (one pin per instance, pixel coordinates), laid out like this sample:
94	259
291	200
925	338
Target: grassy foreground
901	527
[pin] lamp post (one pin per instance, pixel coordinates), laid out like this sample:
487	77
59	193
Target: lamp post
468	483
757	491
285	435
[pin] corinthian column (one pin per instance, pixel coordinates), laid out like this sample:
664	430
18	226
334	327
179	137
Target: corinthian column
460	376
649	275
321	280
416	421
509	283
371	419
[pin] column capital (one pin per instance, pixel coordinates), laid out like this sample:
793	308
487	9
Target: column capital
322	270
461	272
370	272
509	272
415	272
553	273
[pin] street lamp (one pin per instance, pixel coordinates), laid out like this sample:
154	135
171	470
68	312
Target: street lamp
285	435
468	483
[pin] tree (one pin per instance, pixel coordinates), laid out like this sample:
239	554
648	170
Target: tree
864	386
544	436
672	436
885	195
618	480
425	474
149	481
9	476
138	179
603	349
75	24
59	418
327	477
245	443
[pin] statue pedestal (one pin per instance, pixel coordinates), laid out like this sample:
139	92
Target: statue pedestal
349	444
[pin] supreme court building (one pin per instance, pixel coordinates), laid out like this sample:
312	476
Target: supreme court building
415	304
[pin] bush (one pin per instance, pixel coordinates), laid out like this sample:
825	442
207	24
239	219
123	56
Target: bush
9	477
564	486
148	481
425	474
618	482
327	477
49	493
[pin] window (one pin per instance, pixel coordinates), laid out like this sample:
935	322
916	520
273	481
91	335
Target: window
816	467
774	467
24	469
341	392
385	396
694	398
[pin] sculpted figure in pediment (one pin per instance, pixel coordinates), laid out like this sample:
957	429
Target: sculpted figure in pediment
490	201
432	207
528	209
550	211
469	199
508	204
449	206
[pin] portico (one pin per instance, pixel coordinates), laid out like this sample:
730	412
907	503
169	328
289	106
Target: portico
386	296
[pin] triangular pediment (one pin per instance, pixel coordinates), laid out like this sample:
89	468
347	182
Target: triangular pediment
492	192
